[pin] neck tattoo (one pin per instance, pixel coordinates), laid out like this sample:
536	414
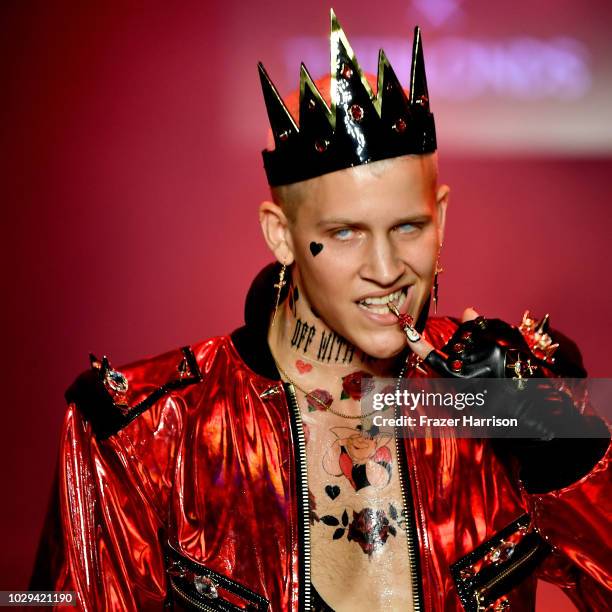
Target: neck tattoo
309	339
320	363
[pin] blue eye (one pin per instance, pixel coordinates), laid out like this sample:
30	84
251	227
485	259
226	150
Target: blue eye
406	228
344	234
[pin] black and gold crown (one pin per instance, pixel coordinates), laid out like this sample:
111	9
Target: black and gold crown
360	127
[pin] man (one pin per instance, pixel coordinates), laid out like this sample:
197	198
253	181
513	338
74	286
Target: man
240	473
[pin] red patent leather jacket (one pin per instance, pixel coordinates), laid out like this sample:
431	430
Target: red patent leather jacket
188	489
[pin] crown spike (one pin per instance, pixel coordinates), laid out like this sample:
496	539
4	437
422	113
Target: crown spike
418	80
390	91
380	76
309	89
356	127
316	120
282	123
341	48
334	20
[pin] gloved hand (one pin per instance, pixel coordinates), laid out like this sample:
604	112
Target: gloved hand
483	348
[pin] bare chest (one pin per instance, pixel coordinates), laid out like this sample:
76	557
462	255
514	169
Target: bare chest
358	541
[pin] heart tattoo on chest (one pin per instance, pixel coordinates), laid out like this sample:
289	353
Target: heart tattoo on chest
315	248
332	491
303	367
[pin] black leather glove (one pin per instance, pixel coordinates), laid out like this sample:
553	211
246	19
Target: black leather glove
484	348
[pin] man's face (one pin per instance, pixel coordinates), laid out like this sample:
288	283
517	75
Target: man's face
381	227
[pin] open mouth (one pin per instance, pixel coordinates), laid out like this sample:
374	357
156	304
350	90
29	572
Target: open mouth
378	305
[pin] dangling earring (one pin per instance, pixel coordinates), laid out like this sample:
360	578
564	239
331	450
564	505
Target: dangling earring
436	285
279	287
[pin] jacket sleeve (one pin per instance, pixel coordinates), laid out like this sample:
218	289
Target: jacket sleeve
101	535
575	516
577	522
568	491
106	522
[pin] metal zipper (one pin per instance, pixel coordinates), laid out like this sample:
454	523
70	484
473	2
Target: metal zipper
410	523
302	493
480	593
194	602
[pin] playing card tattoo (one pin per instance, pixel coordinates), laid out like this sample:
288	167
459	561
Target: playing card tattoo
362	457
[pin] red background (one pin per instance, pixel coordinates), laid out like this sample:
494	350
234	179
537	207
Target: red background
131	176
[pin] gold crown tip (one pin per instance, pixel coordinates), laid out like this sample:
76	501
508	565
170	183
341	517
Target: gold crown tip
335	24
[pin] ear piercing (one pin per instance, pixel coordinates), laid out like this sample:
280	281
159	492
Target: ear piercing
279	287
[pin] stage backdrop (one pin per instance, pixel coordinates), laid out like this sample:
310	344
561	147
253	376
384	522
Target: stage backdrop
132	175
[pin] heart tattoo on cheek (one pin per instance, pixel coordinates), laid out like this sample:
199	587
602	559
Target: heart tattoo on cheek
315	248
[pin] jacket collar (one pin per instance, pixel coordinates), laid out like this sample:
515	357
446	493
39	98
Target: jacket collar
251	340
